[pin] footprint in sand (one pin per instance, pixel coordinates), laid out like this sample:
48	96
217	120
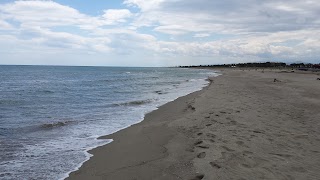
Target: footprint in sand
258	131
203	146
210	135
240	143
215	165
201	155
191	107
227	149
233	122
198	177
198	142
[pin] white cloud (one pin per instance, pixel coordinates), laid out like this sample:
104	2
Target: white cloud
113	16
228	16
51	14
5	25
201	35
144	5
262	29
251	29
41	13
38	22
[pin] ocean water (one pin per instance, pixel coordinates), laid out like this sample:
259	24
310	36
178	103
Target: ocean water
51	116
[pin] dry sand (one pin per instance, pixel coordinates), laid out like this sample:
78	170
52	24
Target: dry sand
242	126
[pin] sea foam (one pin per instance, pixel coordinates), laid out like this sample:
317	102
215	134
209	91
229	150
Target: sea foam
52	116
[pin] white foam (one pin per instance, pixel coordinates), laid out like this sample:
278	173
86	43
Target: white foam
78	139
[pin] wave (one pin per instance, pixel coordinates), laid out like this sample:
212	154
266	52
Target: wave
134	103
46	91
161	92
193	80
55	124
111	80
102	80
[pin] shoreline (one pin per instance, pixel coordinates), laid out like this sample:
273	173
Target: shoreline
204	135
110	136
118	134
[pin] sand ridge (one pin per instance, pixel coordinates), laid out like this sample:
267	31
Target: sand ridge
244	125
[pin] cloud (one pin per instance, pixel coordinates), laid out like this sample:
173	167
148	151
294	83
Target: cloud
44	22
113	16
229	16
4	25
149	5
41	13
51	14
206	29
201	35
258	28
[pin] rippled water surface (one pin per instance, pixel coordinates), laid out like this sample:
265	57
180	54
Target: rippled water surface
50	116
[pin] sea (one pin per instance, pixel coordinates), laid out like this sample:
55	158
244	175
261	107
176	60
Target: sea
50	116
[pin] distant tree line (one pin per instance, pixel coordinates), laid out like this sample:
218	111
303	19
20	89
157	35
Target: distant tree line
260	65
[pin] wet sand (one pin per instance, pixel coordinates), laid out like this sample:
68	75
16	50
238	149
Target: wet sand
242	126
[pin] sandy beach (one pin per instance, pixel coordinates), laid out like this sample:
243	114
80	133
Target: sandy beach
244	125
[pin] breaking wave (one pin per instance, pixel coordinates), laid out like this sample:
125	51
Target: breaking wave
55	124
135	103
161	92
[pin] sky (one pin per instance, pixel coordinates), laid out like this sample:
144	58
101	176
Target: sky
158	32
